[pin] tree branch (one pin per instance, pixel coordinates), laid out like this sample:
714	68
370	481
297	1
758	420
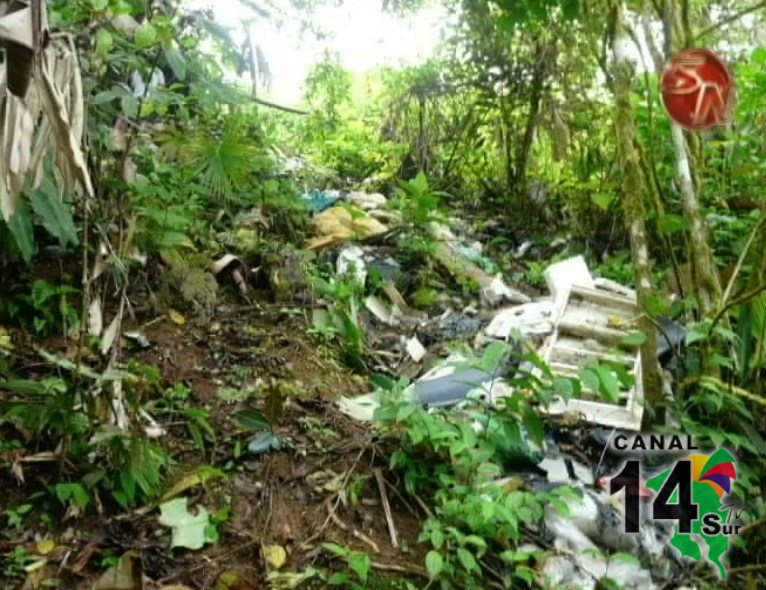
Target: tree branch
278	107
728	19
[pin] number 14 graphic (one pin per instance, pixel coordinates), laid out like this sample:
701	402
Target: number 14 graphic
682	509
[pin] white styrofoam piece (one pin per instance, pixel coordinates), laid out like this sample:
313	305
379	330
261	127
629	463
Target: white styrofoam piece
367	201
530	318
562	275
360	408
415	349
381	311
351	262
615	287
626	415
497	291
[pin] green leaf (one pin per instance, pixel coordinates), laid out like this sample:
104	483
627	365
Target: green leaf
405	411
609	386
467	560
476	541
338	578
434	563
589	378
338	550
625	558
437	537
697	332
533	424
99	4
129	105
670	224
73	492
419	184
145	36
23	231
188	530
493	356
104	42
525	573
563	387
603	200
361	564
176	62
104	97
634	339
56	216
383	382
252	419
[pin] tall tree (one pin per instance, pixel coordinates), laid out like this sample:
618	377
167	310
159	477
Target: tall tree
707	285
635	193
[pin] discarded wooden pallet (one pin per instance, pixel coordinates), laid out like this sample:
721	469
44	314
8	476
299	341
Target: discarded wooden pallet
591	325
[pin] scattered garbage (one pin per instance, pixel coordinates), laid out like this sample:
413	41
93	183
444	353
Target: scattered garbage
351	262
341	224
593	326
415	349
233	267
562	275
367	201
449	253
585	324
444	388
453	326
530	319
586	537
264	442
321	200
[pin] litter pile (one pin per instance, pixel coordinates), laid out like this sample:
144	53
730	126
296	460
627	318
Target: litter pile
585	325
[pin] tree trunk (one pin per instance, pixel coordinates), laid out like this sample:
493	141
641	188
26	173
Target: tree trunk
544	57
636	191
707	284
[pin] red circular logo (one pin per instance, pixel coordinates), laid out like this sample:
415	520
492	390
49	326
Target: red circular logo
697	89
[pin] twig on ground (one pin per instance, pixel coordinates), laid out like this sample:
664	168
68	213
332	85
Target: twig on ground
423	506
402	500
355	532
400	569
386	507
346	478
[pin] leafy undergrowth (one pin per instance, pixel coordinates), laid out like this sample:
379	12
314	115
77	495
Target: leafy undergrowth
201	384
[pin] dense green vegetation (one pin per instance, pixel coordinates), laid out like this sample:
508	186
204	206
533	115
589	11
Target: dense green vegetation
516	127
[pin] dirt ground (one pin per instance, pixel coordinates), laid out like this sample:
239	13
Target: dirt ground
296	498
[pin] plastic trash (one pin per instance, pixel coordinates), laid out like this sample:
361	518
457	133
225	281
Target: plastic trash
351	263
321	200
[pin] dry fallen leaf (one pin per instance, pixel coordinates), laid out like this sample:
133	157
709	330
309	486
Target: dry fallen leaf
126	575
274	555
176	317
5	339
45	546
